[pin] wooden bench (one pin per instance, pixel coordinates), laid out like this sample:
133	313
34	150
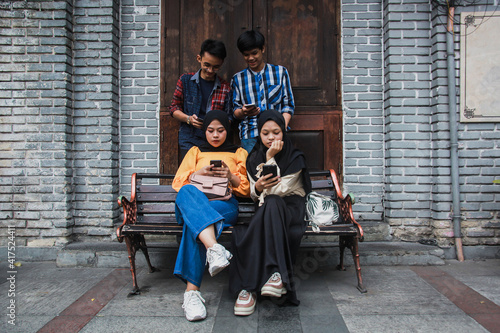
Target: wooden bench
151	210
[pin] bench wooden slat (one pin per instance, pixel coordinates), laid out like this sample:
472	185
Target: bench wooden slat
158	219
157	208
334	229
156	196
151	229
161	219
155	189
323	183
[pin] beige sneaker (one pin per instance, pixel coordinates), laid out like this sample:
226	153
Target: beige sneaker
274	286
245	303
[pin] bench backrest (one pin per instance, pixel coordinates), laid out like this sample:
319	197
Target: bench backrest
156	202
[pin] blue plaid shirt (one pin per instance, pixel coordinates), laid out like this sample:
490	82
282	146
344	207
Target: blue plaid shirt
268	89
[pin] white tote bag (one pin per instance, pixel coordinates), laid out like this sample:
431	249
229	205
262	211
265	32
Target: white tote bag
321	210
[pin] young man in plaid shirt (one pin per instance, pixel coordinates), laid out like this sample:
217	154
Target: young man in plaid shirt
199	93
260	86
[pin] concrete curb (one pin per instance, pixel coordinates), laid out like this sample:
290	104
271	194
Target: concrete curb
114	254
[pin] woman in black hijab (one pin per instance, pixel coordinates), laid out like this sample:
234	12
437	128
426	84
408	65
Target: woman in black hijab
265	250
203	220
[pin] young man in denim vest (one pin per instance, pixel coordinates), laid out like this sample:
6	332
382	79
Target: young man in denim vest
260	86
199	93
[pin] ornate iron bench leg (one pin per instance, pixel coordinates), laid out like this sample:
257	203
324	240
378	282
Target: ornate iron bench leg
141	243
132	249
355	256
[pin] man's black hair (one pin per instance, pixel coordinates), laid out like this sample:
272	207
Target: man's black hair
250	40
214	47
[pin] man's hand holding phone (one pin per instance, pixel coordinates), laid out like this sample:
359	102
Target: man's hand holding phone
196	122
250	110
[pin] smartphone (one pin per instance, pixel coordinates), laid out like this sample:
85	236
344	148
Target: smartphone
270	169
249	105
216	163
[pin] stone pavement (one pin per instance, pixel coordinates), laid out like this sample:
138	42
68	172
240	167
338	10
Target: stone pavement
454	297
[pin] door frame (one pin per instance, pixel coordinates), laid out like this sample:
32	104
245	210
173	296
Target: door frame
316	117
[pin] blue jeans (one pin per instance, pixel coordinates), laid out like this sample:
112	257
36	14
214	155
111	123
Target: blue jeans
195	212
248	144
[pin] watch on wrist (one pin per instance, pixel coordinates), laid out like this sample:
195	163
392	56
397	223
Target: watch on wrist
188	121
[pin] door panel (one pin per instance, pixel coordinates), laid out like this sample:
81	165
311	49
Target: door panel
319	136
300	35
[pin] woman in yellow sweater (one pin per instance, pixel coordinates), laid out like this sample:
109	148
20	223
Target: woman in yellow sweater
203	220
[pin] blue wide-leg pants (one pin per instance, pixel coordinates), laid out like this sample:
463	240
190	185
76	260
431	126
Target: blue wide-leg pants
195	212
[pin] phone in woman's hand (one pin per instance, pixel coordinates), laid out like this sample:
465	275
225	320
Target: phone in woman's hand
216	163
270	169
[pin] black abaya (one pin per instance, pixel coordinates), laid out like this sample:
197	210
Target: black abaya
271	241
268	244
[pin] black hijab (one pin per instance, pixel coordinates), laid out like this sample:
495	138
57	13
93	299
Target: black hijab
290	160
224	120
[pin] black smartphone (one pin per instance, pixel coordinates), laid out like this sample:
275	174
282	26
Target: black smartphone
270	169
216	163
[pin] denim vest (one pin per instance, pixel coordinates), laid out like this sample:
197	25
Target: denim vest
190	136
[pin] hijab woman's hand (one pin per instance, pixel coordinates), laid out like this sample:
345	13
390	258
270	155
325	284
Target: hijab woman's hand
275	148
266	181
205	171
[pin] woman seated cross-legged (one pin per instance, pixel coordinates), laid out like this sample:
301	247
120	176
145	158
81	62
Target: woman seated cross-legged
203	220
265	250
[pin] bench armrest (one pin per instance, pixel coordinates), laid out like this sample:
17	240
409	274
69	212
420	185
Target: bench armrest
129	209
345	205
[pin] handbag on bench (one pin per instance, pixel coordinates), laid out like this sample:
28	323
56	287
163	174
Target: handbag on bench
215	188
321	210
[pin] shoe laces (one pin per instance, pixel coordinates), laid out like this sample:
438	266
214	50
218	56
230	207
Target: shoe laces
194	297
243	293
214	251
276	277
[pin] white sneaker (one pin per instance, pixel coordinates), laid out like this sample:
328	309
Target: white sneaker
193	306
217	258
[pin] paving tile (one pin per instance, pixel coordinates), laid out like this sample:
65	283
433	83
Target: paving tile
117	324
412	323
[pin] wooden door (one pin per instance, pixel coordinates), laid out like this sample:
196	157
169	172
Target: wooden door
300	35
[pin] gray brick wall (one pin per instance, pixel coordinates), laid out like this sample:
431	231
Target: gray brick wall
36	120
59	133
96	118
407	104
413	139
479	154
140	93
362	85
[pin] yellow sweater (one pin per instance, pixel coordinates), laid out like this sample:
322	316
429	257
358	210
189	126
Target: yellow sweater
195	160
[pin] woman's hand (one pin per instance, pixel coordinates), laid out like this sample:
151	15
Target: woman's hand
266	181
205	171
224	172
275	148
